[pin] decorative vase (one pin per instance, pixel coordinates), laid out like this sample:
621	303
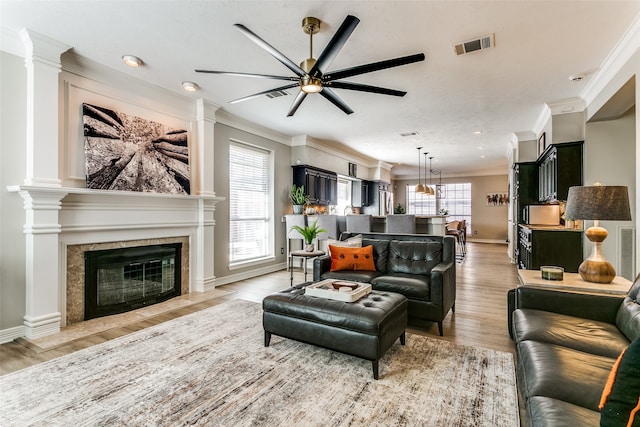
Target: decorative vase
297	209
309	247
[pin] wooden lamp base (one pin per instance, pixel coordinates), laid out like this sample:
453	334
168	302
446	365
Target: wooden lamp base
596	268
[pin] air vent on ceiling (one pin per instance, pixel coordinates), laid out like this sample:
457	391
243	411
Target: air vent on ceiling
277	94
484	42
406	134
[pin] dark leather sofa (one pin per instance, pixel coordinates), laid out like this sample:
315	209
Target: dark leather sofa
420	267
566	345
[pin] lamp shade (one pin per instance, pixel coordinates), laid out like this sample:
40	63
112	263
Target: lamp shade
598	202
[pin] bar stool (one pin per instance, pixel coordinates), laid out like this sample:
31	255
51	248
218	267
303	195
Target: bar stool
359	223
462	234
453	229
326	222
291	220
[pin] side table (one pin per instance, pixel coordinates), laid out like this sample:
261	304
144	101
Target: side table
305	256
572	282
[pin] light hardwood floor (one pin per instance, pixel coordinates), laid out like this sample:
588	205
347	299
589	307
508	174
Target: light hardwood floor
480	318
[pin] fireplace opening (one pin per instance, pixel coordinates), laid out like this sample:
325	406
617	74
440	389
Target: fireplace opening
120	280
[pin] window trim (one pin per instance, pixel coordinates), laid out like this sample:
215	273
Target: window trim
270	221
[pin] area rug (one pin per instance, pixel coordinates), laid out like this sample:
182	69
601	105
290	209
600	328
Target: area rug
211	368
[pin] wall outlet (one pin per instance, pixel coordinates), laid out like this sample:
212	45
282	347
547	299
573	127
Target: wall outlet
475	232
282	251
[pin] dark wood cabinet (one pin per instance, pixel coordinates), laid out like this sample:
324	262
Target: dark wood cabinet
559	167
537	247
320	185
525	188
366	195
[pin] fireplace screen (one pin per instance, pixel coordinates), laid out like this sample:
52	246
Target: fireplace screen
119	280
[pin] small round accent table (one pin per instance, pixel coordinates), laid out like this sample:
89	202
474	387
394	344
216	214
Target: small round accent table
305	256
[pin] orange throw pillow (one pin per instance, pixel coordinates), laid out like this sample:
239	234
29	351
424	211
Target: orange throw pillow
352	258
620	403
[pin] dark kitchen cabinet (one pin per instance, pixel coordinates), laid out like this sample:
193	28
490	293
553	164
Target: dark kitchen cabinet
559	167
366	195
320	185
360	195
524	192
537	247
525	188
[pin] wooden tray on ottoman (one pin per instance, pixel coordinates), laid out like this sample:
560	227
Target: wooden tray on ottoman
334	289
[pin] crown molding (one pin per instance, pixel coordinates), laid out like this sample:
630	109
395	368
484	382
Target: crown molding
228	119
567	106
626	47
10	42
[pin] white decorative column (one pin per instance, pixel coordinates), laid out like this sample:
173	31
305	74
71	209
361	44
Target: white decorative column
42	311
42	60
204	279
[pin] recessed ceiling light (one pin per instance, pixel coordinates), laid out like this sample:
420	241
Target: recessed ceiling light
190	86
132	61
412	133
477	132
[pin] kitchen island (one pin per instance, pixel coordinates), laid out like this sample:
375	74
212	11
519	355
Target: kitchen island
434	225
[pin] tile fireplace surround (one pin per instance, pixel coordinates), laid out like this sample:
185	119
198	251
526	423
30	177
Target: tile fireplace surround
61	223
76	270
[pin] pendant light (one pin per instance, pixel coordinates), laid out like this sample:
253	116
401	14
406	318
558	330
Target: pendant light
419	187
429	189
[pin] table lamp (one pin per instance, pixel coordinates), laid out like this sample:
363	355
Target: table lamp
598	202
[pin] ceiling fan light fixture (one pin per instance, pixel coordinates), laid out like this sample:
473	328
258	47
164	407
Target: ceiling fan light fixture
310	84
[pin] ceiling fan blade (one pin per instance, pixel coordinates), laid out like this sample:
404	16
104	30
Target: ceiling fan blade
296	103
335	100
335	45
365	88
270	49
374	66
255	95
259	76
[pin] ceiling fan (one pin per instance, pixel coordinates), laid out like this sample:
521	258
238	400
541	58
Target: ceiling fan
312	75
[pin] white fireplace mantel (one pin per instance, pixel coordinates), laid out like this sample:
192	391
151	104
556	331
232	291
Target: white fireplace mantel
57	217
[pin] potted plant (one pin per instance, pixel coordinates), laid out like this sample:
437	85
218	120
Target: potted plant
309	232
399	210
298	198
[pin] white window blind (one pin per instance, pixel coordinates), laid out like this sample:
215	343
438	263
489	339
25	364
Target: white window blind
248	203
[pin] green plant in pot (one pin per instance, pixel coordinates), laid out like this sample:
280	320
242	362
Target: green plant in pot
309	232
298	198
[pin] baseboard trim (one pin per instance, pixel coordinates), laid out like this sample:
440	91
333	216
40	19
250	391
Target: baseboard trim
500	242
249	274
8	335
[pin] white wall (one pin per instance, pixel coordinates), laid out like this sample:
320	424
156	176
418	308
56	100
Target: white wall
12	171
489	223
610	158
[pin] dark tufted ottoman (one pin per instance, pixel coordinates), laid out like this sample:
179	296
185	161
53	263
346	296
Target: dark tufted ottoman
366	328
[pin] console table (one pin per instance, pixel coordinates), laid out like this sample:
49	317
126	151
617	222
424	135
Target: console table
572	282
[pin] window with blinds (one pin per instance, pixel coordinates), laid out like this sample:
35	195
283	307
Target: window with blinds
456	199
249	203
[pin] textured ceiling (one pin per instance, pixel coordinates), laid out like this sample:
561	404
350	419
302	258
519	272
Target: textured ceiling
498	91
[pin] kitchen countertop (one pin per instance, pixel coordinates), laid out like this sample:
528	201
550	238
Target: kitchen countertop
549	227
